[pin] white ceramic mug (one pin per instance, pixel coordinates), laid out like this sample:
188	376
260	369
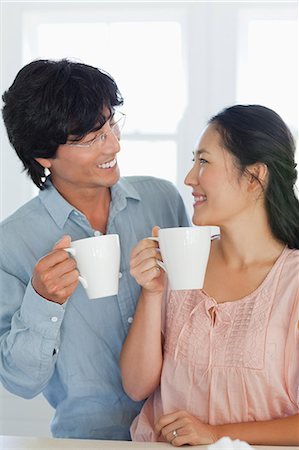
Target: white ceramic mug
185	253
98	261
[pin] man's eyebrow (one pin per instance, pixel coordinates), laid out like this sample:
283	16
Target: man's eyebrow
98	127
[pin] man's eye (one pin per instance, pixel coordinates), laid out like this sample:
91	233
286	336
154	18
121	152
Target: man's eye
102	137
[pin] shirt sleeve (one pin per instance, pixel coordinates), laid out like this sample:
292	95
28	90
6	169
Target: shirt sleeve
29	337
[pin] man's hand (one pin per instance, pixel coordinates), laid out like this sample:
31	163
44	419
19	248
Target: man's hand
55	276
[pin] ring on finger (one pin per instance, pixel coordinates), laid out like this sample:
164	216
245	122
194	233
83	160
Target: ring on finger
175	434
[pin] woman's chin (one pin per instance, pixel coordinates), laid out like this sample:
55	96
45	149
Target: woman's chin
201	222
198	221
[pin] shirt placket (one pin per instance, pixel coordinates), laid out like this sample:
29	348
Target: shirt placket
118	223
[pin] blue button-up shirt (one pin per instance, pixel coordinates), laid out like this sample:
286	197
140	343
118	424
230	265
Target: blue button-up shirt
70	352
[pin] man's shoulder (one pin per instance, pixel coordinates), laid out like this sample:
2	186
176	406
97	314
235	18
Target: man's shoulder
27	212
159	201
149	183
145	179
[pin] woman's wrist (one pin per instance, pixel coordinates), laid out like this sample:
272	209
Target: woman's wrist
215	436
151	296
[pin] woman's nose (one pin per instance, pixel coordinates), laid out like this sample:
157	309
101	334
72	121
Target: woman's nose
191	178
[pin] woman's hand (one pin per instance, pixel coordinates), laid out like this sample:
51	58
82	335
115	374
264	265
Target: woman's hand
180	428
144	266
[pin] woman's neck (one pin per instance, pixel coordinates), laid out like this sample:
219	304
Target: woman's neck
248	241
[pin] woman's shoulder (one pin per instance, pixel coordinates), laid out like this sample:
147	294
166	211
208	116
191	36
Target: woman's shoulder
289	273
292	259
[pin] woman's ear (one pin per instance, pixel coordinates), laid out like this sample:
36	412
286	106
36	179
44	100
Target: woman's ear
44	162
257	176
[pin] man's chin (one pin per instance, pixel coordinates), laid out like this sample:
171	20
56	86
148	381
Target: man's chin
113	179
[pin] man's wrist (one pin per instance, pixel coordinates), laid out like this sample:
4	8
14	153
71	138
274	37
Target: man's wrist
46	298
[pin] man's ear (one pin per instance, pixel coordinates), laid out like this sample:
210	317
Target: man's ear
257	176
44	162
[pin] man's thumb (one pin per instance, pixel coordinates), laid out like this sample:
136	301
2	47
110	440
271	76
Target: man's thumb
155	231
64	242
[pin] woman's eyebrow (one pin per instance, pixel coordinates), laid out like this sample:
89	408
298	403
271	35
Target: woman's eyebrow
200	151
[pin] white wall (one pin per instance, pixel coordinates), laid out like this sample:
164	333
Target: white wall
210	33
15	187
20	417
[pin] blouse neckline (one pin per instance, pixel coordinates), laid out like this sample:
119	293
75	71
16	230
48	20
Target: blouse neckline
256	291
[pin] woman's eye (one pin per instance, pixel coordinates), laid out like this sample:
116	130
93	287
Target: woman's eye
202	161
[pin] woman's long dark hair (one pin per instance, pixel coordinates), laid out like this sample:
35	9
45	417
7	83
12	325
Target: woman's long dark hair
256	134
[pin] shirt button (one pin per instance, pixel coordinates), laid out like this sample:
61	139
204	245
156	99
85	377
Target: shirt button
97	233
76	213
130	319
54	319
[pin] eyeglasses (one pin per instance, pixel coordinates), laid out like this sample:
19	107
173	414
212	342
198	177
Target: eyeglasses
116	123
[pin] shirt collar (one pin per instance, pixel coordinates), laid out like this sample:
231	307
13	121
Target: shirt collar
123	188
120	192
60	209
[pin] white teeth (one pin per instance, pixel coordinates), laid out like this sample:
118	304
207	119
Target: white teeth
107	165
200	198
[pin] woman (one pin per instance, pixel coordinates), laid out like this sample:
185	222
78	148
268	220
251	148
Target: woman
226	362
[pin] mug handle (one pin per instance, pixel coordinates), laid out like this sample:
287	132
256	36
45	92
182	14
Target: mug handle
72	252
160	263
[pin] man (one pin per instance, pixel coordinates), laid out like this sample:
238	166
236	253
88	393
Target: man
62	116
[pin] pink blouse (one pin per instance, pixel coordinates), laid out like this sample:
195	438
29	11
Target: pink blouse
230	362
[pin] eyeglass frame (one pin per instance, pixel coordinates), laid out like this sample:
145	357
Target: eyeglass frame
102	136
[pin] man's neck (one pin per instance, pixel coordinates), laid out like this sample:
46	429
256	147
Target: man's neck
93	203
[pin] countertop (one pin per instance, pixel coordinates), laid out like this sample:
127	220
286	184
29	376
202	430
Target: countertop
29	443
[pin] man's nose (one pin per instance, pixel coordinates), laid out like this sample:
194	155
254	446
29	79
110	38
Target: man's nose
113	144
